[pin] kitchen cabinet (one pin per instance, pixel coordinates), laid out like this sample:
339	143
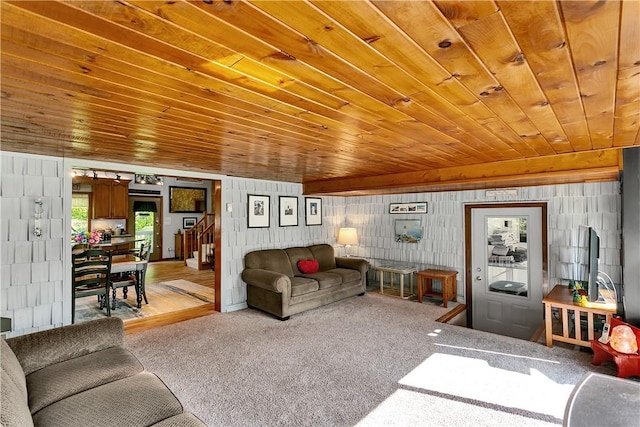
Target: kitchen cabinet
110	199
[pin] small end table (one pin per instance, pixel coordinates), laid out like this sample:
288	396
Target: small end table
396	269
449	287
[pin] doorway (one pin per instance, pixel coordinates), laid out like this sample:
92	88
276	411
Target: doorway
147	223
506	268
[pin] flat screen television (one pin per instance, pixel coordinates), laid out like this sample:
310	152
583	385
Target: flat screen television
594	254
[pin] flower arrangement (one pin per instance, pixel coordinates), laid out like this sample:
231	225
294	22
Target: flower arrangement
91	238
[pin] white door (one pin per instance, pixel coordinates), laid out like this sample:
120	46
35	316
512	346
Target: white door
507	270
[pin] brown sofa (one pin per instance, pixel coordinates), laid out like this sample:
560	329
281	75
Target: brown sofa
276	285
81	375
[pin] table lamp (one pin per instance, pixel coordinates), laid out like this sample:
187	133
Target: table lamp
347	237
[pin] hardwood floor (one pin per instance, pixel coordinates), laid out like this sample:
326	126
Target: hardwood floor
173	270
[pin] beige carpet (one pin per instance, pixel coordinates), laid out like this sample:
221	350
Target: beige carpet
163	297
364	361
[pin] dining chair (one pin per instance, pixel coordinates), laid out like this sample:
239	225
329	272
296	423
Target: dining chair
91	276
145	254
130	278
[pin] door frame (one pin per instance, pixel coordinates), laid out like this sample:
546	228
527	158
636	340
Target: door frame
159	200
468	246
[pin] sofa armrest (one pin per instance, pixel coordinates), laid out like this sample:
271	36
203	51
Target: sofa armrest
269	280
353	263
41	349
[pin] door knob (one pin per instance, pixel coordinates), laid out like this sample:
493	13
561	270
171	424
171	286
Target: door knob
478	277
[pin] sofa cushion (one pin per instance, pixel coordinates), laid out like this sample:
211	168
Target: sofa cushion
14	410
325	255
298	254
55	382
325	279
308	266
185	419
139	400
303	285
347	274
269	259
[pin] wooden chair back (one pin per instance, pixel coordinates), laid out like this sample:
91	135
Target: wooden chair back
91	276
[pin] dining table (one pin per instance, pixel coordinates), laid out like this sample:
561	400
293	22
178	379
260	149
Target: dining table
129	263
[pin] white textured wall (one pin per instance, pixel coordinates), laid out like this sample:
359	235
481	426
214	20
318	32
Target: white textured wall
568	206
33	270
32	275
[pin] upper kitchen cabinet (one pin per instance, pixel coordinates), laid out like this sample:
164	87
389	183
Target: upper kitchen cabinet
110	199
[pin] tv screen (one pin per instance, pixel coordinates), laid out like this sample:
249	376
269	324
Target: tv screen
594	254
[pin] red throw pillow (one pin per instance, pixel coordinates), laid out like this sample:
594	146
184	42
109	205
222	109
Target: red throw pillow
308	266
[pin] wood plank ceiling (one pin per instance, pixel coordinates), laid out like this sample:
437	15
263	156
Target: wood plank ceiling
347	97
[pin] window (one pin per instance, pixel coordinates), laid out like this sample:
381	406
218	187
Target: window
80	212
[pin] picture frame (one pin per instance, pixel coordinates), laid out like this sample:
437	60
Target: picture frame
188	222
187	199
258	211
313	210
408	230
288	211
408	208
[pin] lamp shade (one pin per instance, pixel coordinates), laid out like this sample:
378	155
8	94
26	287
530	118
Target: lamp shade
347	236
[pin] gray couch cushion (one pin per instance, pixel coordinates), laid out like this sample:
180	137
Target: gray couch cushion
303	285
325	255
185	419
40	349
269	259
14	410
139	400
55	382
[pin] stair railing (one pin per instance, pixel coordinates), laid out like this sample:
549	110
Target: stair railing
200	237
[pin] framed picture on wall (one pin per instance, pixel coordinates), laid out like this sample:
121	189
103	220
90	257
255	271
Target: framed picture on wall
408	230
288	211
189	222
258	211
408	208
313	210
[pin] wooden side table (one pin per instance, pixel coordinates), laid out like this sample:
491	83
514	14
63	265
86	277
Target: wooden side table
561	299
449	287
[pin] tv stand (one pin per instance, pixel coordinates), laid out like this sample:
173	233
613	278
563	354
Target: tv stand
561	298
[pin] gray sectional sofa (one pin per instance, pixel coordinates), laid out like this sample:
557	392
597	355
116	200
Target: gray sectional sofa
81	375
276	284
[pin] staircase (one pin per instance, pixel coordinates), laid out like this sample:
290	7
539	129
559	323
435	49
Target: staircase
199	244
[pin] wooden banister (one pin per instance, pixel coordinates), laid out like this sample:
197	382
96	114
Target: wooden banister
200	238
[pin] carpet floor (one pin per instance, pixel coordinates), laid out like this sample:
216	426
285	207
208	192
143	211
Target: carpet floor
163	297
364	361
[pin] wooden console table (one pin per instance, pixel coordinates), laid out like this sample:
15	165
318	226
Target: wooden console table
562	299
449	287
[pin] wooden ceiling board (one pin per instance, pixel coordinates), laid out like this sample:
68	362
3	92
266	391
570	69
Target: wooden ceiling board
345	97
543	43
593	30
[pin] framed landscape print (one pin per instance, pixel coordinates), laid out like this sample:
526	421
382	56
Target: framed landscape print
313	210
408	230
405	208
288	211
258	211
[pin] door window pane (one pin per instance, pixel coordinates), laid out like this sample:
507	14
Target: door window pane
507	256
